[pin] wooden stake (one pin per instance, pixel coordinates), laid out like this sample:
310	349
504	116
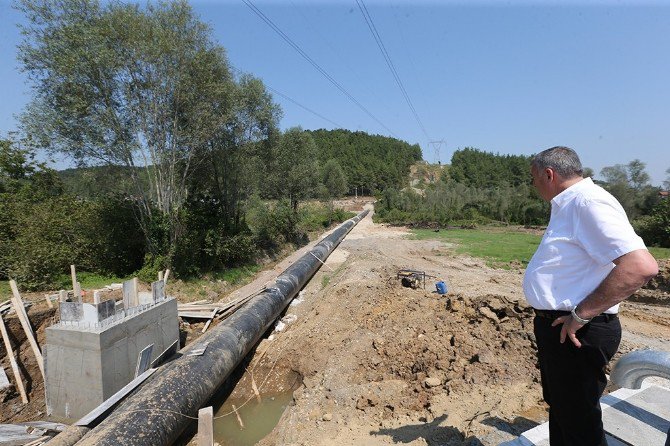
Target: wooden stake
25	323
211	317
48	299
239	419
15	366
96	296
136	292
253	386
160	275
206	426
62	296
165	277
77	292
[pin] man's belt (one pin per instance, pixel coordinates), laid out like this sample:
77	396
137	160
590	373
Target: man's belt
553	314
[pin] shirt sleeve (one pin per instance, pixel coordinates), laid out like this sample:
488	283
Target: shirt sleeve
604	231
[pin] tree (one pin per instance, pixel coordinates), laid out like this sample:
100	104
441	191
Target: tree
666	183
638	177
294	168
615	174
587	172
334	179
121	85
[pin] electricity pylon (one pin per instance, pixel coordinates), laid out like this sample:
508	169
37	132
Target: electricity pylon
437	145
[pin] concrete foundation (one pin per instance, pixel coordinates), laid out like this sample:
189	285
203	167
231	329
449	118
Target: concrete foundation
87	363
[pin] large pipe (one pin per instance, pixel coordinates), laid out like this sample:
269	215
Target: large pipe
158	412
632	368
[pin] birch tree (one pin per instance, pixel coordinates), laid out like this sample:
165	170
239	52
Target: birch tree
117	84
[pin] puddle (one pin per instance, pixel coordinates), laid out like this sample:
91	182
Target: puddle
259	419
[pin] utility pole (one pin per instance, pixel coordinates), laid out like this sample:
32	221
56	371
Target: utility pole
437	145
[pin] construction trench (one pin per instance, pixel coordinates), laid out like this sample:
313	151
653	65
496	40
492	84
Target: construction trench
89	349
369	361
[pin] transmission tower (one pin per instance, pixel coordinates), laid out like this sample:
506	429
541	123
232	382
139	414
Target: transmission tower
437	145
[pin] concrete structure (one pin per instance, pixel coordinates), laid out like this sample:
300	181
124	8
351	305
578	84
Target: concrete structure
631	417
88	359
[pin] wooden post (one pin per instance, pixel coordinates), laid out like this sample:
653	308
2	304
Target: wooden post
12	361
206	426
165	277
239	418
75	288
136	291
96	296
160	275
255	388
25	323
62	296
48	299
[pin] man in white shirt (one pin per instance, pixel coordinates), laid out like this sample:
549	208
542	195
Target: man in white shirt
588	261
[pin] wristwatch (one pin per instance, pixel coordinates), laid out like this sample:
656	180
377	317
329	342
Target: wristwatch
577	318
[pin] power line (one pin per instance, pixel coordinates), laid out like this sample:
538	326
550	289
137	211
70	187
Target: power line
296	47
389	62
237	70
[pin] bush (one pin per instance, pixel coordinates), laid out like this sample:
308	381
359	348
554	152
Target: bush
655	228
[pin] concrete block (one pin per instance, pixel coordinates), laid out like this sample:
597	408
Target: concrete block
85	366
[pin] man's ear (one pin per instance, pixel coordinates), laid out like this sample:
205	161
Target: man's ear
549	173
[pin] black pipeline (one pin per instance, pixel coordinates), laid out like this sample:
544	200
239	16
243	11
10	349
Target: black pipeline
155	414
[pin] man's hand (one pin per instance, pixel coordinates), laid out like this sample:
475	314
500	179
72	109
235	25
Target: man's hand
569	329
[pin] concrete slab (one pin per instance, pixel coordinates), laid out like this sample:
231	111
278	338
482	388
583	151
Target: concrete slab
631	417
644	415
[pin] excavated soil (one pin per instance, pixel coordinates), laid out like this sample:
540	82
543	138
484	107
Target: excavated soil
383	364
375	363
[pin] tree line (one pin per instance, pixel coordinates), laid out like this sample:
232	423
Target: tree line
180	162
481	187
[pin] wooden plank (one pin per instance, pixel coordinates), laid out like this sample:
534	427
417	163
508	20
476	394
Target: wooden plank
112	400
12	361
25	323
196	302
73	275
195	315
206	426
211	317
200	307
15	435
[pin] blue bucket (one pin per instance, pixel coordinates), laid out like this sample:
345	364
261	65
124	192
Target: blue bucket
441	287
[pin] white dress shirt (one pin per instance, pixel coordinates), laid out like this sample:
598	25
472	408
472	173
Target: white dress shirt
588	229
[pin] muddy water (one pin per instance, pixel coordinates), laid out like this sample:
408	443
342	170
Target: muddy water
258	419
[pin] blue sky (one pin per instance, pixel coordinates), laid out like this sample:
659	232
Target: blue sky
508	77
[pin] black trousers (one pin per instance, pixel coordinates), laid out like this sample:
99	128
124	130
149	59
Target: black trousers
573	379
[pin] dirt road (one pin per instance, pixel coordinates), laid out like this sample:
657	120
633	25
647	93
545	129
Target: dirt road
383	364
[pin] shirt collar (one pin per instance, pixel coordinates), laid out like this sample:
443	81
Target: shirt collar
569	193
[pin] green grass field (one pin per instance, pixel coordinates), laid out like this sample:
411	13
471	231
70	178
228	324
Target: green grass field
500	247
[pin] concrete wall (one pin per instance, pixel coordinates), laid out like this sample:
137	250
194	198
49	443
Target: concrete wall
84	367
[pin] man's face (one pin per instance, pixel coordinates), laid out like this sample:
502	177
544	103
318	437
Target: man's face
542	182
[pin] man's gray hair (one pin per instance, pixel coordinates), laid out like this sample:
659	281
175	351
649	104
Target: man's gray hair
563	160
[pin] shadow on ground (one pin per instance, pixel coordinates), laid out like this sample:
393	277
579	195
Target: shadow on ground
432	433
518	426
